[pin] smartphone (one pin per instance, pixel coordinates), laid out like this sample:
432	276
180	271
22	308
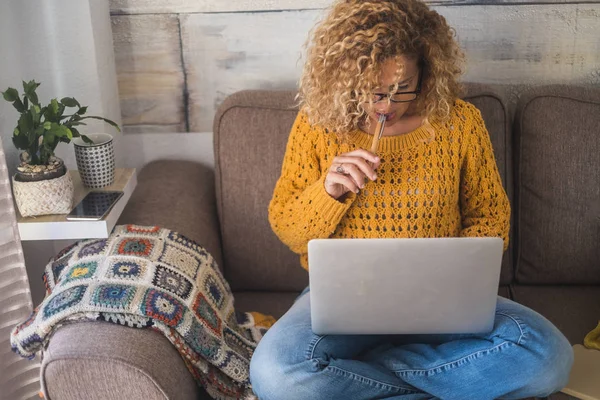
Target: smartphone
94	206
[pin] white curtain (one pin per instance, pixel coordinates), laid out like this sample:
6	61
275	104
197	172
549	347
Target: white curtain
19	378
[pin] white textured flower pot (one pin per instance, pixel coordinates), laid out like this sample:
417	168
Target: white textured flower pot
51	196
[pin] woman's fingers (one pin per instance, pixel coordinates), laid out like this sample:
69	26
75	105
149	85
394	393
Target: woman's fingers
362	153
342	179
350	171
358	162
356	173
372	159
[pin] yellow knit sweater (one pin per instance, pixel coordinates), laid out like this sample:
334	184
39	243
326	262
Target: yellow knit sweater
440	183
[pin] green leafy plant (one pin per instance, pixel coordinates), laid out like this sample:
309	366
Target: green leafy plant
41	128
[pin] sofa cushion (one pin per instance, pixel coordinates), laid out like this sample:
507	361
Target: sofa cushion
251	129
558	186
504	291
573	309
270	303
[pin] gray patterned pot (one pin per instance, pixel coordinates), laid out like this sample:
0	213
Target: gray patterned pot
96	162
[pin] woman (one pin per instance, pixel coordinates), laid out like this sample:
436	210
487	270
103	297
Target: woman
434	175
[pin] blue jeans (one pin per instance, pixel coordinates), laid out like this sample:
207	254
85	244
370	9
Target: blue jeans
524	356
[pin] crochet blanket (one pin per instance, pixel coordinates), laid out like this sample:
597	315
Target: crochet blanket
148	277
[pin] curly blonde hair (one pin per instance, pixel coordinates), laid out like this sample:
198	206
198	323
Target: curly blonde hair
345	53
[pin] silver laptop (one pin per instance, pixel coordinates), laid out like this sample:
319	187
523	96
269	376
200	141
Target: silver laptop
401	286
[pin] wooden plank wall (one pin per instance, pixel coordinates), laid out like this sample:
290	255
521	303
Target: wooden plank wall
178	59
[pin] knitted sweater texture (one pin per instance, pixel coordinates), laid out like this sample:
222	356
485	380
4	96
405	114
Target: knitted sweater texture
440	182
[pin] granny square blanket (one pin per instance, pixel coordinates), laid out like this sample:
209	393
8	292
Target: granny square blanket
149	277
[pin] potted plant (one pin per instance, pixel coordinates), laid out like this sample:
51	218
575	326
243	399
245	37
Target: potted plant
41	183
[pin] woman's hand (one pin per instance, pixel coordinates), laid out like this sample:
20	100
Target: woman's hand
350	171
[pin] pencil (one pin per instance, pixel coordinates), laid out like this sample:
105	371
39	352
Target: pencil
377	134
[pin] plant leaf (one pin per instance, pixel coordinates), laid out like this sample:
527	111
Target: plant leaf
54	107
54	128
47	112
20	142
25	123
70	102
32	97
47	125
108	121
60	131
30	86
35	117
82	110
19	106
66	132
61	110
49	138
87	139
10	94
29	89
76	117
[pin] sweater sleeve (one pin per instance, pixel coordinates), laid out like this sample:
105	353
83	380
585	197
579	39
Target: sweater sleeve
301	209
485	209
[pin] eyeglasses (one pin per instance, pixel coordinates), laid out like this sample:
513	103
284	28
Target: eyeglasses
400	97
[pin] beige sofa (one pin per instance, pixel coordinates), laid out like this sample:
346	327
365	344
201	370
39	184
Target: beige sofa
548	153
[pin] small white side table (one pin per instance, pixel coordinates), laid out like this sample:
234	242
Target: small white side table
57	227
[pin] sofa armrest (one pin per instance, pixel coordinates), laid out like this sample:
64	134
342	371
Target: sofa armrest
100	360
178	195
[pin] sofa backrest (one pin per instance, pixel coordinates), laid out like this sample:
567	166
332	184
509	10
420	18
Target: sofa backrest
557	146
251	129
250	134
